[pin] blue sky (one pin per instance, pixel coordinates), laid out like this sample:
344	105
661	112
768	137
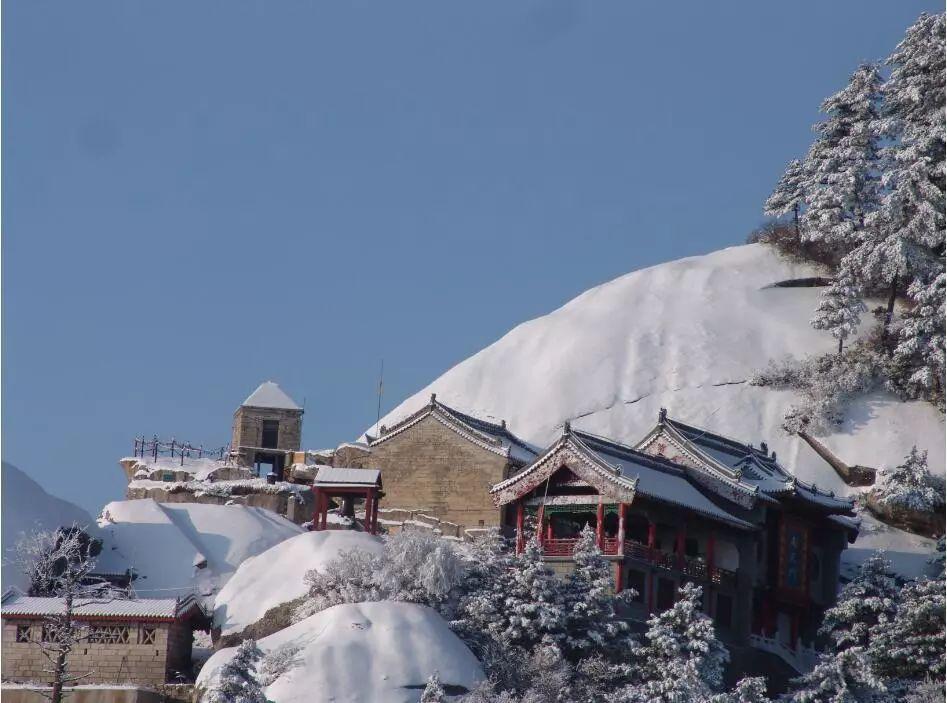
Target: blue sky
201	196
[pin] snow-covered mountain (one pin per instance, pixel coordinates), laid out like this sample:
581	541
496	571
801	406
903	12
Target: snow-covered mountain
27	508
683	335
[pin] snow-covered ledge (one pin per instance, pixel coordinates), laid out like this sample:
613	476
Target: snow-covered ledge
802	658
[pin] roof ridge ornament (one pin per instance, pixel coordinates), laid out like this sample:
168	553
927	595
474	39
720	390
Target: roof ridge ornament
566	428
433	398
662	415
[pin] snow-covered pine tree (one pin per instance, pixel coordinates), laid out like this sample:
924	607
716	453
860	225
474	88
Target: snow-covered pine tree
911	486
747	690
840	308
789	194
865	601
919	355
911	645
237	682
841	179
534	607
842	677
591	626
907	242
433	691
681	643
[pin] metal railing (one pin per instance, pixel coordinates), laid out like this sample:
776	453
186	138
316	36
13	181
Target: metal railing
155	448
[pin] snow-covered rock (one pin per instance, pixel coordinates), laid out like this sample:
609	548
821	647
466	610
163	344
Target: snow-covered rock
27	508
180	547
277	575
380	652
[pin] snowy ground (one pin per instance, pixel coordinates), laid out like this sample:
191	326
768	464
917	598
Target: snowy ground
380	652
277	575
683	335
180	547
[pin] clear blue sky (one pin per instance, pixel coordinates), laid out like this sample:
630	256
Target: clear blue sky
199	196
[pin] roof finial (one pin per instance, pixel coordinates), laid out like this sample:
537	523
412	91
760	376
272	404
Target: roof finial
503	424
764	448
566	427
433	398
773	454
662	415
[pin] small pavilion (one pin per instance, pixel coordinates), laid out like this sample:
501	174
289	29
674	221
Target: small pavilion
346	485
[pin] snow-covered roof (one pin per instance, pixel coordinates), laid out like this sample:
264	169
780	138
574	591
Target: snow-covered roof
751	466
269	395
17	604
494	437
344	477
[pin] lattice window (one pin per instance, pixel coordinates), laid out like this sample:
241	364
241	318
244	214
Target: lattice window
23	633
108	634
48	633
148	635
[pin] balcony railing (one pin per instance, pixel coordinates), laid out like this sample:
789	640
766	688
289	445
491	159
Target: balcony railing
694	568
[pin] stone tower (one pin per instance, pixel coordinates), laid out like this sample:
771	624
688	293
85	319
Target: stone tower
267	427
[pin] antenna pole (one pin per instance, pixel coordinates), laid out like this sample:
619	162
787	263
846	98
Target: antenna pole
381	387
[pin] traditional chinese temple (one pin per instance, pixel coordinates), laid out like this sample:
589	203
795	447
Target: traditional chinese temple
685	504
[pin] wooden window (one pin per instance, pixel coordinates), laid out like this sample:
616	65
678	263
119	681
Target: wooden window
724	616
147	635
108	634
636	580
48	633
23	633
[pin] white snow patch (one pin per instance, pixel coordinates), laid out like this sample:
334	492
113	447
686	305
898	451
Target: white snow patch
380	652
277	575
180	547
908	553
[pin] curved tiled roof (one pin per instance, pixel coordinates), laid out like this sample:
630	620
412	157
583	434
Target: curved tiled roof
17	604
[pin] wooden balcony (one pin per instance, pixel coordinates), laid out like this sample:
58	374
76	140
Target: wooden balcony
691	567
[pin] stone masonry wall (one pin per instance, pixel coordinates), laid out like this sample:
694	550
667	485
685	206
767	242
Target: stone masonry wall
430	468
248	427
106	663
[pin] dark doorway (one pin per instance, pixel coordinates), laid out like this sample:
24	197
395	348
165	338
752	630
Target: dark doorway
270	439
265	464
667	590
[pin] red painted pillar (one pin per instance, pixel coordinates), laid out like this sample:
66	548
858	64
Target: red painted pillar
681	538
621	529
367	522
619	581
316	508
519	527
550	533
711	557
540	517
600	526
652	537
375	512
325	511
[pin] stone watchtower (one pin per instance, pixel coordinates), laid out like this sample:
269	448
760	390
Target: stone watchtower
267	427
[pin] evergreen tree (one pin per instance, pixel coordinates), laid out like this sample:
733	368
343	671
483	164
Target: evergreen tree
682	651
907	242
841	178
843	677
840	309
911	646
433	691
237	682
911	485
919	354
747	690
866	601
590	622
789	194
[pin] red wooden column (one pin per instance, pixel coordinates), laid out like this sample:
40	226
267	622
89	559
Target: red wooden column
316	507
711	557
375	512
550	533
519	527
539	523
621	529
367	522
681	539
619	573
600	526
652	537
